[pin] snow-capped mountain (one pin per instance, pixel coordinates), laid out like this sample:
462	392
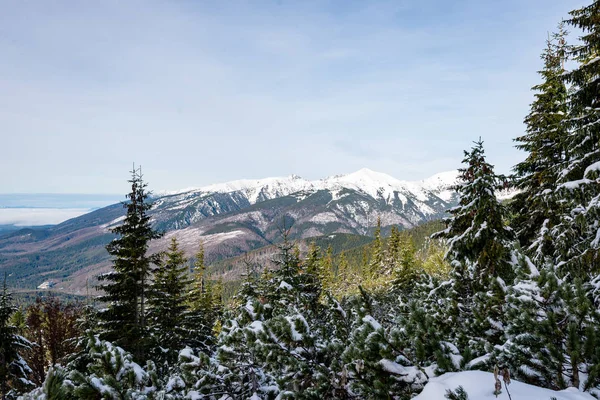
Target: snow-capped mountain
234	217
427	198
375	184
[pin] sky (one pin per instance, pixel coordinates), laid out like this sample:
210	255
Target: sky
200	92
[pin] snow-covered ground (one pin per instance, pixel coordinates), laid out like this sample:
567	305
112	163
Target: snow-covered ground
479	385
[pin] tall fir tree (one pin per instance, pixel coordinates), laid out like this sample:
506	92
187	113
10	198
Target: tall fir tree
376	264
480	253
205	306
578	233
536	206
168	306
123	322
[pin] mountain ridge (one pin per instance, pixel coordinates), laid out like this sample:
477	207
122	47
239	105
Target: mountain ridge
230	218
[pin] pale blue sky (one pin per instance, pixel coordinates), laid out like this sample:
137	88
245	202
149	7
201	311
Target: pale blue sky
200	92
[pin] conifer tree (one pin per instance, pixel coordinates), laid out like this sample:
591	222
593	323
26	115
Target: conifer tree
14	370
551	338
326	267
577	234
344	277
536	206
407	266
377	255
123	322
480	254
393	249
168	306
313	260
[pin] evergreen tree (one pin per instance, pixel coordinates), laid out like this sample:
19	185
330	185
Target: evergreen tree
536	205
286	331
345	277
407	267
577	234
168	306
476	230
393	249
125	288
552	333
14	370
377	254
480	254
325	270
376	367
205	306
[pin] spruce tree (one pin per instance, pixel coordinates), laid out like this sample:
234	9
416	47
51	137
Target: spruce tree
123	322
14	371
480	254
376	264
536	205
579	189
168	306
204	306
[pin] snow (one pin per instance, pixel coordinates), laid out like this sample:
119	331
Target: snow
285	285
370	320
479	385
296	336
254	189
375	184
392	367
594	167
441	184
256	326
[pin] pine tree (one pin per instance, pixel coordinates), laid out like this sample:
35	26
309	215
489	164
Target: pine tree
125	288
169	306
376	367
536	205
553	329
14	370
393	249
407	266
205	307
480	254
325	269
345	278
376	264
577	234
476	230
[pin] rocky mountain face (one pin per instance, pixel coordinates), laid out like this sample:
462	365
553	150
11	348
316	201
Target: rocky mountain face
229	219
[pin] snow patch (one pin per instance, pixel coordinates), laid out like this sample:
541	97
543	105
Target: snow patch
479	385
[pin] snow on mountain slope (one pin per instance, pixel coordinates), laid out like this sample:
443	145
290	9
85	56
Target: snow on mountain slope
441	184
262	189
479	385
375	184
363	194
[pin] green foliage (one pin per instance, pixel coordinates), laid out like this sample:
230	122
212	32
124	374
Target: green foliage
125	289
205	304
168	306
536	209
13	368
458	394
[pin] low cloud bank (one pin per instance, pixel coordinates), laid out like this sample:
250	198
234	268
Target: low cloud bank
38	216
